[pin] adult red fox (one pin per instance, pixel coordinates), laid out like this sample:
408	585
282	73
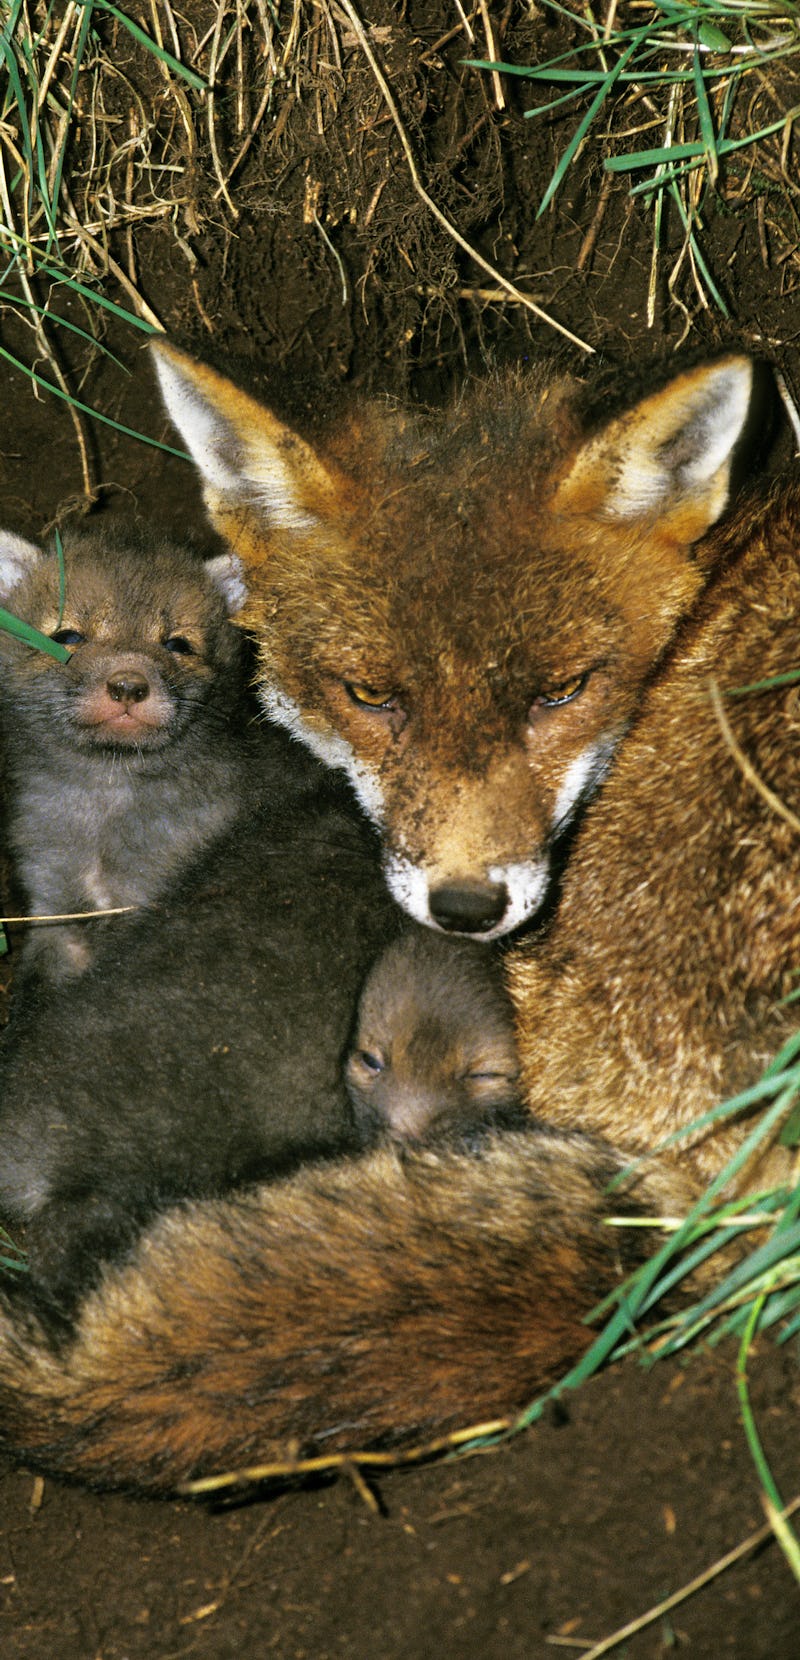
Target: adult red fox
461	610
471	616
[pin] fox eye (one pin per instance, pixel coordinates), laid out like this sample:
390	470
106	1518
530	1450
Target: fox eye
178	644
68	637
555	696
370	697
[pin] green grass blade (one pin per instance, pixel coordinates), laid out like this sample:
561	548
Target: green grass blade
783	1303
785	1535
696	252
14	300
86	409
766	1256
141	36
48	268
726	147
583	127
637	1289
693	151
788	679
18	99
707	133
11	22
687	1262
658	157
790	1134
791	1330
762	1091
11	1254
33	147
580	79
787	1053
31	636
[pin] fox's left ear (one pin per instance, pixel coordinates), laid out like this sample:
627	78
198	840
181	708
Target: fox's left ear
17	558
671	457
247	458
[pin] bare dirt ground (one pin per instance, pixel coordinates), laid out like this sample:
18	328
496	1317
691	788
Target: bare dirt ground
531	1551
644	1480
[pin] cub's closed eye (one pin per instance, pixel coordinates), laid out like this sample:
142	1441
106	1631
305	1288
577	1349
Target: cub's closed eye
370	697
554	696
372	1063
68	637
179	645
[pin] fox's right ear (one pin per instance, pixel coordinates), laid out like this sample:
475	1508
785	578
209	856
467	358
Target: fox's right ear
247	457
671	457
17	558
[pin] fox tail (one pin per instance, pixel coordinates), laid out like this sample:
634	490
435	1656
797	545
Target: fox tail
362	1304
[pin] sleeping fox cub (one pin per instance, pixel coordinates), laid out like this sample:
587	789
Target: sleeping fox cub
513	628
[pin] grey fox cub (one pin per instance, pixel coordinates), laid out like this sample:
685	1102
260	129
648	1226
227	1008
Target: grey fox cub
115	774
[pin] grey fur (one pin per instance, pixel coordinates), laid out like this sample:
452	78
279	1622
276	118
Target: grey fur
96	818
202	1047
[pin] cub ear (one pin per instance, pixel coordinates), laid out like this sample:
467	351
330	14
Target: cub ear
670	458
17	558
246	456
227	574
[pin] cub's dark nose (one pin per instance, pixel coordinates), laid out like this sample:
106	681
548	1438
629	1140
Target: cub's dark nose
128	687
468	907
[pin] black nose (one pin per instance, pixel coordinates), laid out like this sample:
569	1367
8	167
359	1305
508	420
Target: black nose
128	687
468	907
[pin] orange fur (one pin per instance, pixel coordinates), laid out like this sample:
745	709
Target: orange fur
384	1299
429	590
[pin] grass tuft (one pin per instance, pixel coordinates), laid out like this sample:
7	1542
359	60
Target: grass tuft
757	1291
102	121
696	73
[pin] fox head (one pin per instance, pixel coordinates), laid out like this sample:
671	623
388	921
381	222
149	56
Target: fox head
460	609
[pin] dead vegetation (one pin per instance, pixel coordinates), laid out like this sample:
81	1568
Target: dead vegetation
369	173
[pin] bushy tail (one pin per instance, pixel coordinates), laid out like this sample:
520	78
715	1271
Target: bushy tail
366	1303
